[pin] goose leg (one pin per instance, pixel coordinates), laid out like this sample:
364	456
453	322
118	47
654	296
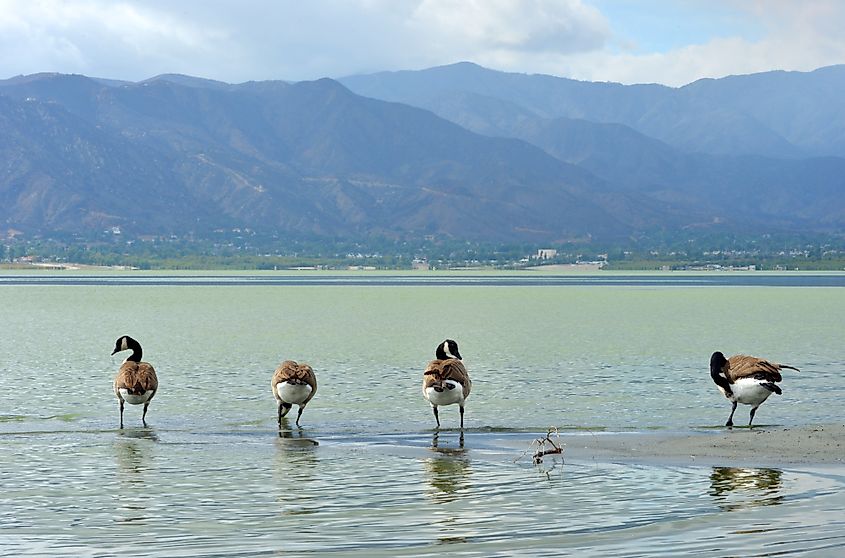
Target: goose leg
730	422
121	413
299	414
462	418
284	408
144	415
436	416
750	420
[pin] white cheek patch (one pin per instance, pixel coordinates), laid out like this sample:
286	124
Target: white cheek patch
124	345
446	350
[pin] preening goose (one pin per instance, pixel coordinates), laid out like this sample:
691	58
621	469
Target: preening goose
293	383
136	381
446	380
745	379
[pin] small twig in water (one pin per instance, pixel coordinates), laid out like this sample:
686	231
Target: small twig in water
556	447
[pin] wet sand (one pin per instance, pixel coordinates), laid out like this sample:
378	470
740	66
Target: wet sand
761	446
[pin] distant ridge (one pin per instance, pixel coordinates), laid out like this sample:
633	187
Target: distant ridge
458	151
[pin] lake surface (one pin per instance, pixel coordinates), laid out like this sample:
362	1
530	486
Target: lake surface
366	475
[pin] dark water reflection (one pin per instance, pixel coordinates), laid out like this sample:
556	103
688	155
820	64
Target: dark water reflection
134	450
447	471
163	492
295	472
740	488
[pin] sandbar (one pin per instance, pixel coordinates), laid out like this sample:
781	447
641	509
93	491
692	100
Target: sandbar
760	446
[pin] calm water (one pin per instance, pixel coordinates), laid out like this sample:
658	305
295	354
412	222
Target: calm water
212	477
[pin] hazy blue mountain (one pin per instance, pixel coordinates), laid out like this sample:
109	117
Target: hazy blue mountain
726	188
177	153
61	172
307	158
779	114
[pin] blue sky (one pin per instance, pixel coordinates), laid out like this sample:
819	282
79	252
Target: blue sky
661	26
630	41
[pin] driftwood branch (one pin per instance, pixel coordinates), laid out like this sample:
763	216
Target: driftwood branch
545	446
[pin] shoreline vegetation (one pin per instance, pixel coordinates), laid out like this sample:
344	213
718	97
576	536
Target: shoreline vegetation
419	267
244	249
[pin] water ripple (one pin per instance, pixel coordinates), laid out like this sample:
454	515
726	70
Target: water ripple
179	493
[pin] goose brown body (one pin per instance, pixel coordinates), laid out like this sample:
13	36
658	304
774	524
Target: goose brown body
136	378
744	366
438	371
746	379
293	383
446	380
136	382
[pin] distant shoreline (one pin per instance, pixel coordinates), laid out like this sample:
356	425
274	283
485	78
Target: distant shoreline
551	269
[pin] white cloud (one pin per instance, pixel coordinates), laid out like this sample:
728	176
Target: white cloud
797	36
275	39
528	26
112	39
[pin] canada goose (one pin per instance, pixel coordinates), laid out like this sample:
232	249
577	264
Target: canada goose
293	383
745	379
136	381
446	380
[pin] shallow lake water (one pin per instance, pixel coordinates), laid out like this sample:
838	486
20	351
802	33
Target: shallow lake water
212	476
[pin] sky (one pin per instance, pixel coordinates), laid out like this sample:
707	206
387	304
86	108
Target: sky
672	42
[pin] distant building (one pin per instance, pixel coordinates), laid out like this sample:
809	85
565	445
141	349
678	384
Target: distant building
420	265
546	254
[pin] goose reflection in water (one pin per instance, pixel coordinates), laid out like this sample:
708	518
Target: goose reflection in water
739	488
447	470
296	463
133	449
134	453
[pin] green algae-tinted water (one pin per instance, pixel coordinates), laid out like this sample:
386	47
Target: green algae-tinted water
212	477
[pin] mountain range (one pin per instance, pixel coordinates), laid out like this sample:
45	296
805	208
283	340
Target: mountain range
458	151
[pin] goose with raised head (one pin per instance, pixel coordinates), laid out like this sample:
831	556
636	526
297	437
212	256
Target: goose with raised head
746	379
446	380
293	384
136	382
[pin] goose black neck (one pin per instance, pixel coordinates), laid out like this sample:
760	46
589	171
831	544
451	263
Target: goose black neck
136	351
721	381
